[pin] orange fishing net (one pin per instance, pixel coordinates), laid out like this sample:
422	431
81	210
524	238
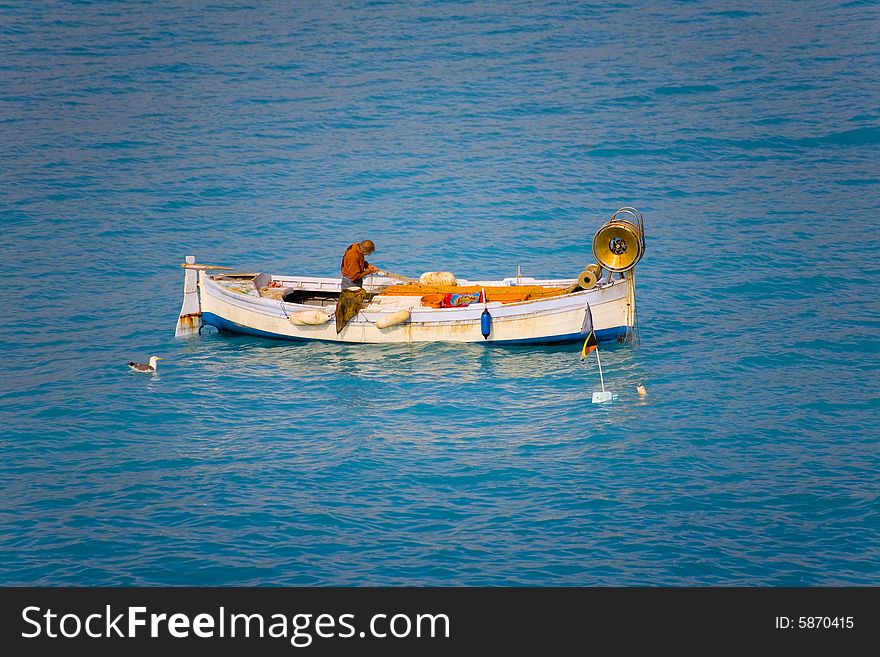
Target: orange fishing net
432	295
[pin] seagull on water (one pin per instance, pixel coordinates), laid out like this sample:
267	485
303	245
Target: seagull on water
143	367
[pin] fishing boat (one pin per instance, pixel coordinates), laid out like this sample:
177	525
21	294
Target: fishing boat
438	307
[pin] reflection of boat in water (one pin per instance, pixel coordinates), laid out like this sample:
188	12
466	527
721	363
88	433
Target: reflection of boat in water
514	310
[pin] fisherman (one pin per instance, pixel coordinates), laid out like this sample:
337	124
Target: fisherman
354	267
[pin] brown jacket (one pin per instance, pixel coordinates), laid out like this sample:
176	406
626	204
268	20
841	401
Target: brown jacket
354	266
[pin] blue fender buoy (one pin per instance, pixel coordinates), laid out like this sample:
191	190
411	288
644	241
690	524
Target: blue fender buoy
485	323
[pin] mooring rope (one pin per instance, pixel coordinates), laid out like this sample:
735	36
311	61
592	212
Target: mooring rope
391	274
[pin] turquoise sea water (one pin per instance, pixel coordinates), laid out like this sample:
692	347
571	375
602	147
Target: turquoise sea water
464	136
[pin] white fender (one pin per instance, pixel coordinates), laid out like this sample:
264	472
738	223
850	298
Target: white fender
393	319
437	278
309	318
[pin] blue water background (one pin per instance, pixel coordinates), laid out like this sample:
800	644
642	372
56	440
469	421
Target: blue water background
463	136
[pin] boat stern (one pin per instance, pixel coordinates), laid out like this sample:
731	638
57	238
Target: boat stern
189	322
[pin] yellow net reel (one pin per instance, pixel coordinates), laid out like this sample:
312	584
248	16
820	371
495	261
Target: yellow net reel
589	276
620	243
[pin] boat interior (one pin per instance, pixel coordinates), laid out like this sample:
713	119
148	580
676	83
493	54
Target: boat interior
389	293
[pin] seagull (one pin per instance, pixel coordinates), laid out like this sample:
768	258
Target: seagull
142	367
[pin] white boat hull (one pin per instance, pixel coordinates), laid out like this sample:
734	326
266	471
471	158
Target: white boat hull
549	320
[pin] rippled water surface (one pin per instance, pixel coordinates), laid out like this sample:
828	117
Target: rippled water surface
464	136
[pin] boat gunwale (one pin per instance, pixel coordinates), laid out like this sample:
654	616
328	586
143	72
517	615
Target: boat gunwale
254	302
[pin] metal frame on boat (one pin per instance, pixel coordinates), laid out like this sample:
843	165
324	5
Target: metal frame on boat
302	308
